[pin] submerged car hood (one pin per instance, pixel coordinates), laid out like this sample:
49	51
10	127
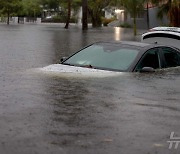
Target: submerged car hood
60	69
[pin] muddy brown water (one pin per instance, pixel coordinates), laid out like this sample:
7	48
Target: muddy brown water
40	113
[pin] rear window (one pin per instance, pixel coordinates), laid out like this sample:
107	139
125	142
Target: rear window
165	38
162	35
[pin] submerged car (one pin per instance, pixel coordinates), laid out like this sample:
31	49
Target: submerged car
163	35
124	57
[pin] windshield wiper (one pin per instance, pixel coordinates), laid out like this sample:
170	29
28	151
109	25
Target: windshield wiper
68	64
88	66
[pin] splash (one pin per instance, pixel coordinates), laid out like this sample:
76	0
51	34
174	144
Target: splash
73	71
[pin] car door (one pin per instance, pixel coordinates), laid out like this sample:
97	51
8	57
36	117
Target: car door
171	57
151	58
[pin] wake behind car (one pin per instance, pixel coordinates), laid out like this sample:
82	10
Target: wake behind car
123	57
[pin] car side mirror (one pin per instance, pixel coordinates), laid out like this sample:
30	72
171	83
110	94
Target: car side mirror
147	70
63	59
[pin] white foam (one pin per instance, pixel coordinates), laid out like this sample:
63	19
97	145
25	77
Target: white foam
66	70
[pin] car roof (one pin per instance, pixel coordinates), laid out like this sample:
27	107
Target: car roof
167	34
170	29
163	35
171	32
132	43
143	47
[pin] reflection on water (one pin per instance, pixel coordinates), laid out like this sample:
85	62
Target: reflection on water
43	113
117	33
121	34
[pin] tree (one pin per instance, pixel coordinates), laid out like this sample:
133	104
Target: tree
50	4
171	8
67	6
10	7
147	7
95	8
68	15
31	8
147	3
84	15
133	7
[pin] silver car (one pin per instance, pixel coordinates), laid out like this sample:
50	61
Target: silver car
163	35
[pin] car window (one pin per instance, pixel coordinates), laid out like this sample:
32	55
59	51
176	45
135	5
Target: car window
172	58
106	56
162	38
161	35
150	59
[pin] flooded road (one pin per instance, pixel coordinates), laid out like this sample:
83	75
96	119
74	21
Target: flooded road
129	113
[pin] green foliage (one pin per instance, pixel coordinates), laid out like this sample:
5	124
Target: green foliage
116	3
125	25
60	19
95	8
31	8
133	7
75	5
106	21
171	8
10	7
50	4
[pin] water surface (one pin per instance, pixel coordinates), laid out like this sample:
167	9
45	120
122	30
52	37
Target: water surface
41	113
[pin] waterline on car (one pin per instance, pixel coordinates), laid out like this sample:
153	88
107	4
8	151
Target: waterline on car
72	71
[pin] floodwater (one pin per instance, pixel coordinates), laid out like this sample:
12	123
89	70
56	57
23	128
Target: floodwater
130	113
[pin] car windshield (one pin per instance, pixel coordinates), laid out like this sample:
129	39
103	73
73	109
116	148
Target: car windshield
105	56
